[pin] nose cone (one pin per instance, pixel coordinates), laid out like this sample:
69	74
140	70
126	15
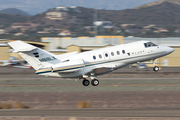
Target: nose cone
168	49
171	49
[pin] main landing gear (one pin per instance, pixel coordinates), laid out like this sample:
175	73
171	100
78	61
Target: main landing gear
94	82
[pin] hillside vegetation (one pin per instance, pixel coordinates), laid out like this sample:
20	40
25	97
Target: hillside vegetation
158	2
173	1
162	14
9	19
13	11
159	13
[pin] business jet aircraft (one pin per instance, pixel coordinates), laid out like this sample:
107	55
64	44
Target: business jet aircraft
26	66
12	61
141	66
85	64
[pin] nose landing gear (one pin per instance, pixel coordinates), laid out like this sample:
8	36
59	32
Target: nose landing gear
156	68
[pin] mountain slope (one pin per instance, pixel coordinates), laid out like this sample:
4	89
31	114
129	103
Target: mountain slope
9	19
150	4
173	1
164	13
39	6
13	11
158	2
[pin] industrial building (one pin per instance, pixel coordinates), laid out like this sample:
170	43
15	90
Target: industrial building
58	45
63	45
58	42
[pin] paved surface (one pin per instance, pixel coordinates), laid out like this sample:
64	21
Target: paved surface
95	112
111	84
124	70
156	92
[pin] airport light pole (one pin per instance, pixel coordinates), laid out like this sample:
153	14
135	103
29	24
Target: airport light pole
95	19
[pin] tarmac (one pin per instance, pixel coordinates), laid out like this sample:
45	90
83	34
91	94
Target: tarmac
130	113
124	70
139	93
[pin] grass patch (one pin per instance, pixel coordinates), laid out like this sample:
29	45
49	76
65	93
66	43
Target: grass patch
84	104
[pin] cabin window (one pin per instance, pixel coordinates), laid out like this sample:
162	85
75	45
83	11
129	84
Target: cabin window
94	57
106	54
100	56
112	53
123	51
118	53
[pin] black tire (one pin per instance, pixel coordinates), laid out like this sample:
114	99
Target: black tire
85	82
95	82
156	68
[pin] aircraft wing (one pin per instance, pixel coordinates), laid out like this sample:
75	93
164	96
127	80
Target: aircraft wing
27	67
5	64
65	56
156	63
98	71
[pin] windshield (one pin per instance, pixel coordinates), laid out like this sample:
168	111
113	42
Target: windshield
149	44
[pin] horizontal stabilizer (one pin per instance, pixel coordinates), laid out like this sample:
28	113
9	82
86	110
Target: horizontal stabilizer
24	46
36	57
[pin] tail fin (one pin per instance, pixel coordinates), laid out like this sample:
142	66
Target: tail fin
35	56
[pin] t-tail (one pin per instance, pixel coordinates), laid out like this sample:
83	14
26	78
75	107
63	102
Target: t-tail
35	56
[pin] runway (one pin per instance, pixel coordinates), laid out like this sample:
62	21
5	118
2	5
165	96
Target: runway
164	112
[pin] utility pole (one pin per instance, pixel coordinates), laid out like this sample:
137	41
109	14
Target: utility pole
95	19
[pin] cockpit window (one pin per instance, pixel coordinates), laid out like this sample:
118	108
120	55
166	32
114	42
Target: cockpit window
149	44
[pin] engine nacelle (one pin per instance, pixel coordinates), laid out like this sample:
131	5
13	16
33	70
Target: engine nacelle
68	66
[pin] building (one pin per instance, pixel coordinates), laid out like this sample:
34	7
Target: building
56	15
104	24
20	25
63	42
2	31
63	45
169	41
20	34
84	48
62	8
65	33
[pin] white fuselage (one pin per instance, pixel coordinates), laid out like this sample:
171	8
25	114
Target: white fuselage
111	57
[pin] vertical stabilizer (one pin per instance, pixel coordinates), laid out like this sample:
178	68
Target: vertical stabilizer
35	56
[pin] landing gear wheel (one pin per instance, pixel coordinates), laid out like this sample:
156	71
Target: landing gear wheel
86	82
156	68
95	82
